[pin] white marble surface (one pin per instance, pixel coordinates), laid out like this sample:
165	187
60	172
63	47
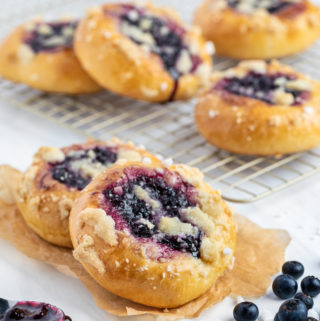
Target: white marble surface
296	209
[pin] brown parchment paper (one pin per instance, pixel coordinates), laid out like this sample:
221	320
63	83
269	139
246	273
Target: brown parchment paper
259	255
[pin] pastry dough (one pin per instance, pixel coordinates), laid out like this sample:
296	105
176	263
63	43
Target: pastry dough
49	187
157	235
40	54
259	29
260	108
143	52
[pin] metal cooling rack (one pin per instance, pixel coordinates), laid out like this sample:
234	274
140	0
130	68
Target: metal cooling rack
169	130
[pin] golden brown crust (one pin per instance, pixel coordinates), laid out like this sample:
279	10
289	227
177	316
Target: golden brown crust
250	126
45	203
120	65
123	267
258	35
58	71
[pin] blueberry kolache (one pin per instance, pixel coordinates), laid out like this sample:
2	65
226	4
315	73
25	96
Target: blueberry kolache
155	234
259	29
30	310
260	108
40	54
143	52
47	190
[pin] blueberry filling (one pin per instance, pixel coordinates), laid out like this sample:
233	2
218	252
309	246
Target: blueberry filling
50	36
78	167
272	6
161	36
143	219
33	311
262	87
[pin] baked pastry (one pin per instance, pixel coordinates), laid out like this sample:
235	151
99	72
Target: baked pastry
155	234
40	54
143	52
49	187
259	29
260	108
30	310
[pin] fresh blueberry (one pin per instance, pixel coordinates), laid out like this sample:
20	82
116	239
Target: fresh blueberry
306	299
293	268
284	286
4	306
245	311
293	310
310	285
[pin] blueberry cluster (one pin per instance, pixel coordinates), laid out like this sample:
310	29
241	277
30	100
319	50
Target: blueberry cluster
134	210
28	311
285	287
260	86
65	174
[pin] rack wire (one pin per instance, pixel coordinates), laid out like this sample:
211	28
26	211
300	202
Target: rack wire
169	130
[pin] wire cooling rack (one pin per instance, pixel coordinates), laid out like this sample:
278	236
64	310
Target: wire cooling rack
169	130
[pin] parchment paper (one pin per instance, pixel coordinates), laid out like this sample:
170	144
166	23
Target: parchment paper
259	255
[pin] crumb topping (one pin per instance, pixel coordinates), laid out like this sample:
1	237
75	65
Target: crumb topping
65	206
104	225
196	216
85	252
173	226
52	154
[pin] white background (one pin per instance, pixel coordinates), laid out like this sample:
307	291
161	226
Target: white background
296	209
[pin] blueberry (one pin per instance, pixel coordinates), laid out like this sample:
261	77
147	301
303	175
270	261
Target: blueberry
293	268
310	285
293	310
4	306
284	286
276	317
306	299
246	311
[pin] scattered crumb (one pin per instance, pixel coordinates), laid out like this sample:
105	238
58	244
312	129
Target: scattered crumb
212	113
167	161
227	251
